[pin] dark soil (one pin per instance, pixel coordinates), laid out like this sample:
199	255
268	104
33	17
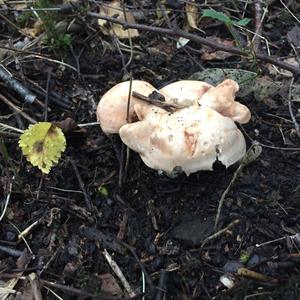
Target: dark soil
152	226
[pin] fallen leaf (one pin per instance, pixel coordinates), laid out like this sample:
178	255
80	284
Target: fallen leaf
285	73
210	54
266	87
42	144
110	285
261	87
191	10
114	9
244	78
36	30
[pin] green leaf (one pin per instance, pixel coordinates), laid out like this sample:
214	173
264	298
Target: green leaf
42	144
242	22
217	15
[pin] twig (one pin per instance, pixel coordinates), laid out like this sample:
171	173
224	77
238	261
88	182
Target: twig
68	289
17	109
54	97
249	156
128	121
292	237
291	110
10	251
11	128
83	125
162	288
23	238
167	106
53	293
77	59
129	38
256	276
82	186
220	232
195	38
16	85
27	230
122	169
72	290
287	8
258	25
6	200
119	273
35	285
148	278
47	95
33	54
14	25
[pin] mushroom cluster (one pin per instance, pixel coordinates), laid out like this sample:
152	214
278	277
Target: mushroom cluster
192	137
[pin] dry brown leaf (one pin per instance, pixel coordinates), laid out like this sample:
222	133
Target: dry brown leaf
210	54
191	10
110	285
36	30
285	73
114	9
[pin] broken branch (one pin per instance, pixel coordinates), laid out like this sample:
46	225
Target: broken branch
200	40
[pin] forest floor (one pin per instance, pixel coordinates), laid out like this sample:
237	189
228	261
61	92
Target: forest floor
59	231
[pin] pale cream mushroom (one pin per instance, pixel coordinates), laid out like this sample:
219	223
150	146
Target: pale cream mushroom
112	108
185	92
220	98
192	138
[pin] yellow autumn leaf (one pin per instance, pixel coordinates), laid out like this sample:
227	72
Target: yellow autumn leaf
42	144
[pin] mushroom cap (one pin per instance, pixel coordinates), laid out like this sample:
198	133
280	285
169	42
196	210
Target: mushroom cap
112	108
191	138
221	98
185	92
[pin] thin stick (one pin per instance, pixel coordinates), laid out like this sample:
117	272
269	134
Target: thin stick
249	156
128	121
11	128
17	109
23	238
35	285
195	38
15	85
141	265
34	55
82	186
291	110
47	95
258	25
164	105
220	232
119	273
286	7
6	200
